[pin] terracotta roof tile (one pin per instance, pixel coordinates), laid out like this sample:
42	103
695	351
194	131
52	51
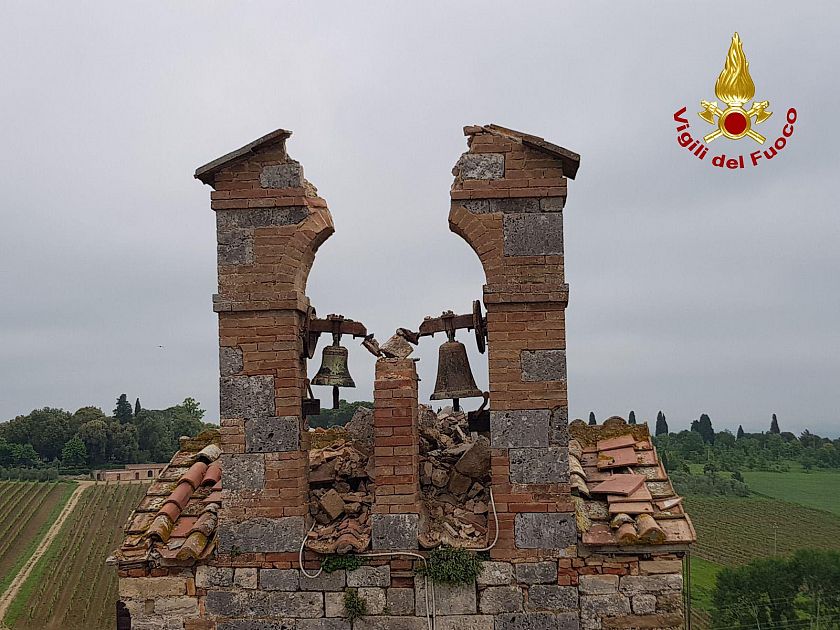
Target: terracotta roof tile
213	474
616	442
631	507
617	458
195	475
623	484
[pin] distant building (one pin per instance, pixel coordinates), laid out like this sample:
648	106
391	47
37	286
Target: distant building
131	472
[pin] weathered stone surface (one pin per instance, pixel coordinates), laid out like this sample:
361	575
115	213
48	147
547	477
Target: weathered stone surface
335	581
289	175
279	579
656	567
670	602
272	434
592	606
458	483
598	584
332	504
394	531
515	205
643	622
369	576
537	621
245	577
533	234
246	396
400	601
334	604
261	535
475	462
374	599
397	347
183	606
230	360
552	597
235	247
539	465
450	599
390	623
552	204
476	206
500	599
251	218
635	584
482	165
360	430
213	577
254	624
558	427
322	624
544	531
519	429
643	604
152	587
271	604
495	574
465	622
244	472
536	572
543	365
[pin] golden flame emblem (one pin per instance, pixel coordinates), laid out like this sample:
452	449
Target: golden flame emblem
735	87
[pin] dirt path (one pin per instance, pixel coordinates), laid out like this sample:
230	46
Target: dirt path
8	597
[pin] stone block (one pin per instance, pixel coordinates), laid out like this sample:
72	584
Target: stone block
322	624
475	462
235	247
597	606
394	531
279	579
476	206
541	366
669	602
500	599
539	530
465	622
519	429
536	572
370	576
482	165
254	624
248	219
598	584
644	622
657	567
261	535
552	204
334	604
289	175
390	623
552	597
272	434
515	205
539	465
152	587
450	599
495	574
375	600
245	577
230	360
182	606
643	604
243	472
213	577
270	604
335	581
400	601
537	621
246	396
533	234
558	427
635	584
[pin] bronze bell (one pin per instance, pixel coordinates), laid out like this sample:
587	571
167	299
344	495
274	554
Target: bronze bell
333	370
454	378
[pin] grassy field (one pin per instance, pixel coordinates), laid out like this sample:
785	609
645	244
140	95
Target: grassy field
819	489
27	509
71	588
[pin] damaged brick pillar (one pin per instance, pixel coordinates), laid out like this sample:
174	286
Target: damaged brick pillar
270	222
507	203
396	510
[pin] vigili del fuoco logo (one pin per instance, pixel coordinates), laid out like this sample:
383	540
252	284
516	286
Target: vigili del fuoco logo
734	88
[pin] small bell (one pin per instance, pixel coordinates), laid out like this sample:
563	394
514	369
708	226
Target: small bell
333	370
454	378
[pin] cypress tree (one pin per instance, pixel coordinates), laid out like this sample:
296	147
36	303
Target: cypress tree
123	411
631	419
774	425
740	432
592	420
137	407
661	424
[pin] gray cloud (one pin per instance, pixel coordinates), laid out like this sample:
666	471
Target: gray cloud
692	289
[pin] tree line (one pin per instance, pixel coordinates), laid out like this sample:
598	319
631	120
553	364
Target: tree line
88	438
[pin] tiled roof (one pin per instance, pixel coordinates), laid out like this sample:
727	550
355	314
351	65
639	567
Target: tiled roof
175	522
623	495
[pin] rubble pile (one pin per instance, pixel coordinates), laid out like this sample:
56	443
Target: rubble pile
341	494
454	480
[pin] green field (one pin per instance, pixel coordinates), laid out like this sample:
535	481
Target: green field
819	489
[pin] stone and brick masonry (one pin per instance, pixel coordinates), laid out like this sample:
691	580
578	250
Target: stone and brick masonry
507	203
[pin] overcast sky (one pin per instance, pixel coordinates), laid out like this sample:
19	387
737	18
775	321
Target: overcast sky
693	289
